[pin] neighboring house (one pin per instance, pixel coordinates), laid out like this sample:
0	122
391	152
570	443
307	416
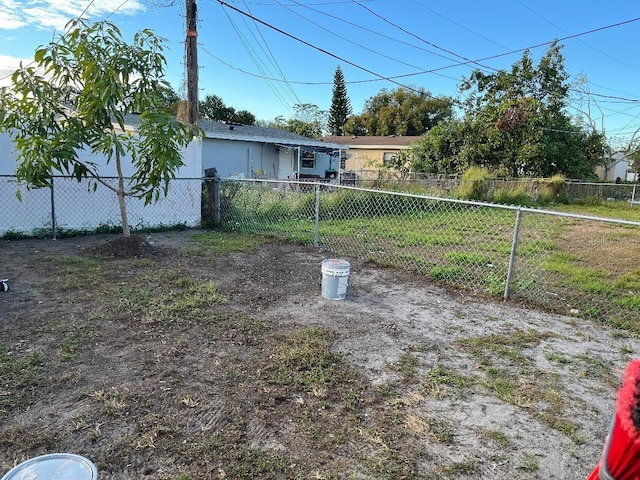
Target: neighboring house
248	151
617	168
365	155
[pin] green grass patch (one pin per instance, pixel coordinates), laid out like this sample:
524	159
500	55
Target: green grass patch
587	279
407	366
168	296
497	436
629	281
305	360
449	274
536	247
529	462
508	346
474	259
631	302
223	243
441	381
78	272
512	197
619	210
68	349
190	299
18	374
557	358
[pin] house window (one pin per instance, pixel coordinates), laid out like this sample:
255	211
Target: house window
343	162
388	157
308	159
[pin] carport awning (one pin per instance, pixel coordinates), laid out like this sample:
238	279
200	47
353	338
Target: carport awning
332	150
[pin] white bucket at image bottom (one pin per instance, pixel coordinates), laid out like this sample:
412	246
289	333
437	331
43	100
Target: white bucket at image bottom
335	278
54	466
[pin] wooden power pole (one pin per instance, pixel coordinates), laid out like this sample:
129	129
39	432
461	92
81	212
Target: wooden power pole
192	62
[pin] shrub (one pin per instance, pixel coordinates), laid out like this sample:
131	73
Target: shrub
591	201
474	184
512	197
552	190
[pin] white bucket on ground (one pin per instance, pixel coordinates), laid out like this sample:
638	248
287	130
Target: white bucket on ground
54	466
335	278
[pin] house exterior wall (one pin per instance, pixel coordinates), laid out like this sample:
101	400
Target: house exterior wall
618	167
245	159
241	158
366	161
79	207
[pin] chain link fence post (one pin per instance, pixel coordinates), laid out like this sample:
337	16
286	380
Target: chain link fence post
53	212
316	230
216	199
512	257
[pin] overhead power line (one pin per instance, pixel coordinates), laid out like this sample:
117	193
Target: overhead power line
476	62
394	78
315	47
86	8
582	41
467	60
259	64
374	51
118	8
274	62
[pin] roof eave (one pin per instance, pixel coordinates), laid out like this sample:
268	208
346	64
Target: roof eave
274	140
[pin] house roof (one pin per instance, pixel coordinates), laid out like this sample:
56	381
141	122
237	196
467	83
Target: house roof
253	133
373	141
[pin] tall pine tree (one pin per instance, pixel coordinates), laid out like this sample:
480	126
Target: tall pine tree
340	105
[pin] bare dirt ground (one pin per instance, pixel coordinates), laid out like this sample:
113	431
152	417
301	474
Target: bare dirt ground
188	364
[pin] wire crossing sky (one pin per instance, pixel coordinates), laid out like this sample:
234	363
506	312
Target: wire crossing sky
265	56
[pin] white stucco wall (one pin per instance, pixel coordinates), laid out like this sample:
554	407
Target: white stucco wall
7	155
79	207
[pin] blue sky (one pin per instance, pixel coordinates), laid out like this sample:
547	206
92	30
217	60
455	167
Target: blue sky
368	39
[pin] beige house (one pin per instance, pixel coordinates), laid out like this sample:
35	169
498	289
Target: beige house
617	168
365	155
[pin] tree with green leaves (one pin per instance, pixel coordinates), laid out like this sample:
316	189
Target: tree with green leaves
441	149
170	99
515	124
340	109
308	120
78	95
401	111
523	116
214	108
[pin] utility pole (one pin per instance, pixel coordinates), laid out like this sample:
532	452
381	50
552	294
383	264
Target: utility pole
192	62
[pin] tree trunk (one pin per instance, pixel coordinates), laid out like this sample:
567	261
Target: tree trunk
123	207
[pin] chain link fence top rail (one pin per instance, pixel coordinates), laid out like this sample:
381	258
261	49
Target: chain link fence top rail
569	264
534	188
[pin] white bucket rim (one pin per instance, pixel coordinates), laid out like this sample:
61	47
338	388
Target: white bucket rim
335	266
45	465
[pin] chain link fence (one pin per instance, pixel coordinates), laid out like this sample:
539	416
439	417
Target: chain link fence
534	189
570	264
69	205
